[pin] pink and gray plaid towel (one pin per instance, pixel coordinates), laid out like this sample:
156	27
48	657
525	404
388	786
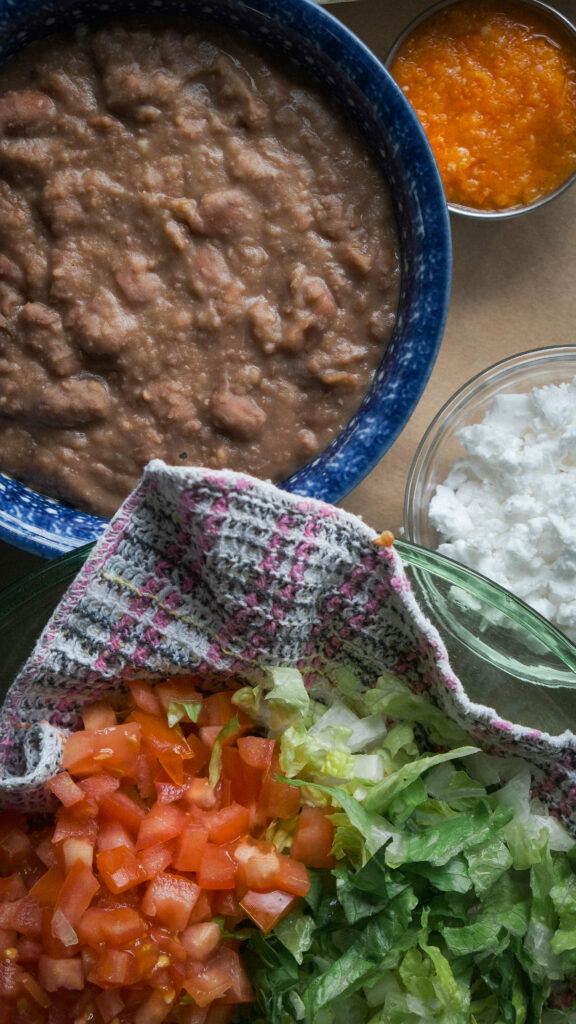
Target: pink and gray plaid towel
213	570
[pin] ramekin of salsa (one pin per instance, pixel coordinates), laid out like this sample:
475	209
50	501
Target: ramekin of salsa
493	83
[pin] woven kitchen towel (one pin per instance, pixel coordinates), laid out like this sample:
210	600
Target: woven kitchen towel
203	569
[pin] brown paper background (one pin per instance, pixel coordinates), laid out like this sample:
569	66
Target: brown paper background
514	288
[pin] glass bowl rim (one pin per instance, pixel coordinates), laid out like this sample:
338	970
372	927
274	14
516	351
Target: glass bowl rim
565	25
439	426
487	590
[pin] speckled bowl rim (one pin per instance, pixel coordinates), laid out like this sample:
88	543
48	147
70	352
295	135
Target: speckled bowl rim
567	26
47	527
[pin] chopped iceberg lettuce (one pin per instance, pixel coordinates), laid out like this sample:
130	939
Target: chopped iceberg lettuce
453	899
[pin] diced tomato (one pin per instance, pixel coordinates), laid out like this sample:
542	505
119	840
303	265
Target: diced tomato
109	1004
12	887
30	949
100	785
155	859
203	908
54	974
114	968
65	789
11	820
146	955
207	984
167	791
168	942
228	823
112	834
314	838
190	847
200	754
163	822
278	799
225	904
292	876
144	696
219	1014
118	926
119	869
209	734
256	752
47	889
155	1009
160	737
15	848
46	852
201	939
121	806
144	774
74	849
217	709
267	908
217	868
171	899
223	793
246	781
228	960
189	1014
69	824
200	794
179	688
27	917
7	911
262	868
113	749
111	912
76	893
99	715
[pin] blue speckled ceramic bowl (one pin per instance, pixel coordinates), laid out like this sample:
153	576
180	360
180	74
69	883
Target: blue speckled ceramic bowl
314	40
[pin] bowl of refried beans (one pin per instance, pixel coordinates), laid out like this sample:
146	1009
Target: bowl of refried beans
223	242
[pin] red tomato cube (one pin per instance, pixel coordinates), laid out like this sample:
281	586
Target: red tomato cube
171	899
191	847
201	939
217	868
163	822
267	908
60	973
313	838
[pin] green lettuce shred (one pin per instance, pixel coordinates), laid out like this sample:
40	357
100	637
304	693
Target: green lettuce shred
453	898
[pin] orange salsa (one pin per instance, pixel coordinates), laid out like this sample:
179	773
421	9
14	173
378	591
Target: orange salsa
494	86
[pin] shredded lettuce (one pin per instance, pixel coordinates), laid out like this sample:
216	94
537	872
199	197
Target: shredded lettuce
181	709
453	899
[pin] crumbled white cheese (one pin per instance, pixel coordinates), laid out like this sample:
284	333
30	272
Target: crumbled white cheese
508	507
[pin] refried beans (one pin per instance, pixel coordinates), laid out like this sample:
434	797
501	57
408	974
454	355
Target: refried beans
198	261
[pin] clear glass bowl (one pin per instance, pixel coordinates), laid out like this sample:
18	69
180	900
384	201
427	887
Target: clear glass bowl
438	450
567	30
530	678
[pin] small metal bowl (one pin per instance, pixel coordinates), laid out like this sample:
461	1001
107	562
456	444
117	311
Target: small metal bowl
567	30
